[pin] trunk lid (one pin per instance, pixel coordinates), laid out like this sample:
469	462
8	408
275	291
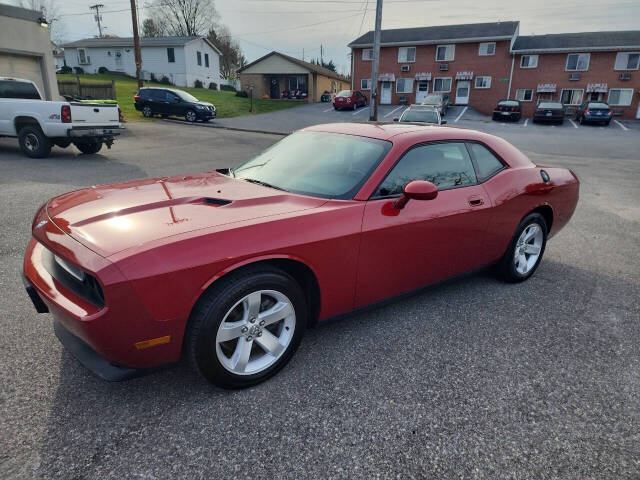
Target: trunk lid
111	218
94	114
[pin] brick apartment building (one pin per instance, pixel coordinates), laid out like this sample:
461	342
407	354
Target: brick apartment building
479	64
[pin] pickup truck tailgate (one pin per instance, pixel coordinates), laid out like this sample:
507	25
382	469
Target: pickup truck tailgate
94	114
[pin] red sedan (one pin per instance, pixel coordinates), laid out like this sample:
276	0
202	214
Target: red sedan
351	99
231	267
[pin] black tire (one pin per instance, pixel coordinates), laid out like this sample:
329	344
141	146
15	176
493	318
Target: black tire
147	111
581	120
88	147
209	313
506	266
33	142
190	116
494	117
62	142
607	122
355	106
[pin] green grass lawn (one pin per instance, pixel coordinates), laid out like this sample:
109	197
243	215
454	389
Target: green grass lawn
227	104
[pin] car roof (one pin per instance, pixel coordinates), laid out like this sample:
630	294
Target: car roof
13	79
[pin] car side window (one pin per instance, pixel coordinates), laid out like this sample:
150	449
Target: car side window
172	97
487	163
157	95
446	165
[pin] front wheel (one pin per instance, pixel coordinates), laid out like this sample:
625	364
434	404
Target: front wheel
89	147
247	328
190	116
33	142
147	112
525	251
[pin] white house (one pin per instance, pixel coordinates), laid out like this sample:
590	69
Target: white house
183	60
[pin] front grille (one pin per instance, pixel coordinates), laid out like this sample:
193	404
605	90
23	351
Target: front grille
88	288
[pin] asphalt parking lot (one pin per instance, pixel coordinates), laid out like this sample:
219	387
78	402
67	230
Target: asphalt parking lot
473	378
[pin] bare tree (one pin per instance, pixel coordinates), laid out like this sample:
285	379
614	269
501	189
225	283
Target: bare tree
184	18
232	57
153	28
49	11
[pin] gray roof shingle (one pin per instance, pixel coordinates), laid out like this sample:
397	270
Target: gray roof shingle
309	66
578	41
128	42
21	13
491	30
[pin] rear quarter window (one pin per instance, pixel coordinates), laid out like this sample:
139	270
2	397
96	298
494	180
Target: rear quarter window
486	162
13	89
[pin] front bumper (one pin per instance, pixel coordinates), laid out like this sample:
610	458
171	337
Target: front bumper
205	114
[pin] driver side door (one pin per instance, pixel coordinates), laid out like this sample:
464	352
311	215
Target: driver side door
428	240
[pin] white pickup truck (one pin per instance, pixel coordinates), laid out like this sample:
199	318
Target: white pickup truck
39	124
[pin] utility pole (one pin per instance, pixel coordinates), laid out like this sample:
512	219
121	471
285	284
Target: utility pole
97	17
374	69
321	60
136	41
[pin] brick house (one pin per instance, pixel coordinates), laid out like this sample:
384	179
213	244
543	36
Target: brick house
276	72
479	64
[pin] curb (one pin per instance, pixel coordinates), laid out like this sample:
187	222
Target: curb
223	127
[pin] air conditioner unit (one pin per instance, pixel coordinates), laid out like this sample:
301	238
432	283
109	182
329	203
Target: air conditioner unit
444	66
574	76
625	76
405	68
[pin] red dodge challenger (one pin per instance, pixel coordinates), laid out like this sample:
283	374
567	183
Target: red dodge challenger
230	267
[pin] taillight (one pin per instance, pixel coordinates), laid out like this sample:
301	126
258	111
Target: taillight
120	117
611	112
136	98
349	100
65	114
586	112
538	111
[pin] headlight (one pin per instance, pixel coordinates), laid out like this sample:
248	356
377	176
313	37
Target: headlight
72	270
201	107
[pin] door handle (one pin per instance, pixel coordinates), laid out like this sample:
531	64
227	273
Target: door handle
476	201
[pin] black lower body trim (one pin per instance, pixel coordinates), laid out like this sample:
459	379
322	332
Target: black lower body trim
92	360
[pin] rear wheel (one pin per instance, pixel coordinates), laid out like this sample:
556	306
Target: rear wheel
355	106
88	147
33	142
246	328
147	112
581	120
525	251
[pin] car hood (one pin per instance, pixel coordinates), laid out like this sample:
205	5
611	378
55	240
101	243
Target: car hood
111	218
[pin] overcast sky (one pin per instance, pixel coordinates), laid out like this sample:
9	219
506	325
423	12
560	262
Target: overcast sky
290	26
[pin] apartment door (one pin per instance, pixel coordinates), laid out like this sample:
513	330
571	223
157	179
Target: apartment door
118	55
422	89
462	92
385	93
275	87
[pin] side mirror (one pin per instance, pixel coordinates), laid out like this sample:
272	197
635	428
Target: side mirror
443	122
396	119
416	190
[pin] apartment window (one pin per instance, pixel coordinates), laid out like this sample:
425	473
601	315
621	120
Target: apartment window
578	62
571	96
528	61
206	60
627	61
298	83
483	82
199	56
406	54
620	97
171	55
404	85
524	94
445	53
487	48
442	85
365	84
83	59
367	54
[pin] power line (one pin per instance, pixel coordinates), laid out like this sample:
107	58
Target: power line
301	26
363	17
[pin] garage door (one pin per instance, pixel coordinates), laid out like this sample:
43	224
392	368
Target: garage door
22	66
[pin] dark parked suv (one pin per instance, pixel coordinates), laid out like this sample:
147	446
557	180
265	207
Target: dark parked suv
168	101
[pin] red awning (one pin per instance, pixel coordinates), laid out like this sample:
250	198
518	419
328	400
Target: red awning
546	88
464	75
423	76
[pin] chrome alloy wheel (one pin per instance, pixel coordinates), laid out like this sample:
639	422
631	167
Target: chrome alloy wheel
528	248
191	116
255	332
31	142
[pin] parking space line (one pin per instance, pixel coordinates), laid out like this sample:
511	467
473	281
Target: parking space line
360	111
573	123
394	110
526	120
460	116
621	125
327	110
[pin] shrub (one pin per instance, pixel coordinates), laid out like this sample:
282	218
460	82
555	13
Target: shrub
103	70
165	80
66	69
78	70
228	88
242	94
213	86
197	84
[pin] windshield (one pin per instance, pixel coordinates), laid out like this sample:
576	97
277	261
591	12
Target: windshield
419	115
508	103
432	99
320	164
185	96
345	93
598	105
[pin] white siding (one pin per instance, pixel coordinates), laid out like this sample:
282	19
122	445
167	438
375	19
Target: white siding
201	72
